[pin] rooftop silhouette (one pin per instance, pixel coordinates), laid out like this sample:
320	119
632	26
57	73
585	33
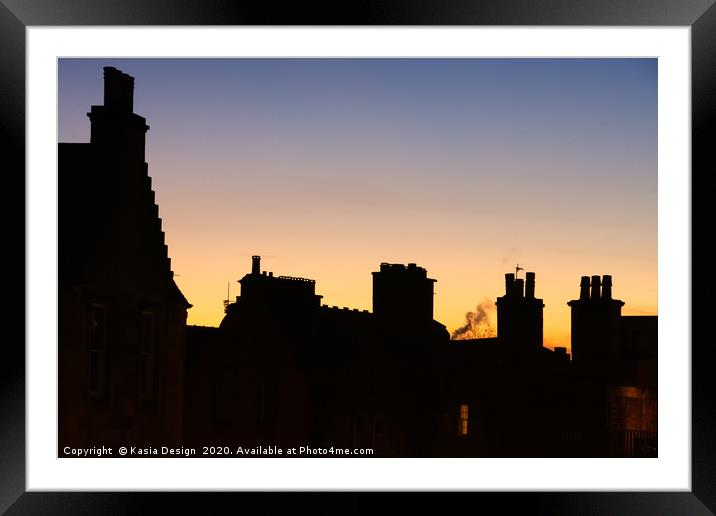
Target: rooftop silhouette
284	370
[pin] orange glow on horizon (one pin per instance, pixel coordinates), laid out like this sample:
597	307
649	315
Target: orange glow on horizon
347	282
466	167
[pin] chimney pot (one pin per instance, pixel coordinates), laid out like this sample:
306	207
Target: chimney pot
530	285
584	288
509	283
596	287
606	287
255	265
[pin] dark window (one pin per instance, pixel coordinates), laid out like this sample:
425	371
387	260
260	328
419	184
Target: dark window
147	345
97	351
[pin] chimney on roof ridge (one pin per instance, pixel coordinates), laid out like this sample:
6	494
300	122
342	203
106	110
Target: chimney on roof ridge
606	287
584	288
596	287
118	90
509	283
530	285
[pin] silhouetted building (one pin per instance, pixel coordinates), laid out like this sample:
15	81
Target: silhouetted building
510	387
121	316
615	356
284	369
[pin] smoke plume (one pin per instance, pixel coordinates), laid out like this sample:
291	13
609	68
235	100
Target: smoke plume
477	324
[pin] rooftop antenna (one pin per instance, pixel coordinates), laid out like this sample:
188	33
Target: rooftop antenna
228	298
518	269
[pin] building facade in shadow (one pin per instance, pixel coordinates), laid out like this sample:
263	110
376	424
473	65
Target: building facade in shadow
122	319
283	369
615	360
288	371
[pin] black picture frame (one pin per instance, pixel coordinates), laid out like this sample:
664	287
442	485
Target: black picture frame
17	15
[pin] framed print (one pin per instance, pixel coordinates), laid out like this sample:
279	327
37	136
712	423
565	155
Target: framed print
205	204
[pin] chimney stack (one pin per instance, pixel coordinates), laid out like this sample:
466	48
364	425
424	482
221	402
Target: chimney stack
606	287
509	284
530	285
118	90
584	288
256	265
596	287
520	287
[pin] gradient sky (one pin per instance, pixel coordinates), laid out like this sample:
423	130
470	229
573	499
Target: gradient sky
327	167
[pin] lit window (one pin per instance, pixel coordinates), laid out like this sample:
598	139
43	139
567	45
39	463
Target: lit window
97	350
463	419
147	337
